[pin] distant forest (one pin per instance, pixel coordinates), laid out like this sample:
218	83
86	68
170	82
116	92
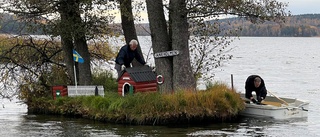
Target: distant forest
306	25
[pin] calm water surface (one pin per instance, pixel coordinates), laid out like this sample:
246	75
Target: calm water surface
289	66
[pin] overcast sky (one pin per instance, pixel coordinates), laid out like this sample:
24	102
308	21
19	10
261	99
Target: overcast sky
296	7
303	6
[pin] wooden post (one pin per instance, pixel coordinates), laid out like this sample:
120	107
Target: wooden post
232	82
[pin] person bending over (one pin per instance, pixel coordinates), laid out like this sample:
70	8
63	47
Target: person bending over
126	55
255	83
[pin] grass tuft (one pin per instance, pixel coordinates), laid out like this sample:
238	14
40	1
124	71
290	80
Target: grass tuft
215	104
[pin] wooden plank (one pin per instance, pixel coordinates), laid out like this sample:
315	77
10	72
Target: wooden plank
272	103
277	104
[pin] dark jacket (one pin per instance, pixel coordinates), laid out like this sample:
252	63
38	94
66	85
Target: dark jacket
261	91
126	56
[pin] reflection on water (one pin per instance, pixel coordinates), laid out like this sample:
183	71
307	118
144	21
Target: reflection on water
245	127
44	125
11	115
49	125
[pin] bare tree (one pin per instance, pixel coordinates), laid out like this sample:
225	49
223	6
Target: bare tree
183	77
128	26
160	42
187	16
74	21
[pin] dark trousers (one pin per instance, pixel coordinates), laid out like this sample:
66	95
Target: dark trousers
118	68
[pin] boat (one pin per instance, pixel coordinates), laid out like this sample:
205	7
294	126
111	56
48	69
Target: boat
276	107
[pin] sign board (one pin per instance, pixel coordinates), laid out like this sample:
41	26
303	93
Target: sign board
166	54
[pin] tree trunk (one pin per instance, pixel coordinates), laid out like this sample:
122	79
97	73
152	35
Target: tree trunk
73	33
84	75
183	77
67	47
81	46
160	42
128	27
66	40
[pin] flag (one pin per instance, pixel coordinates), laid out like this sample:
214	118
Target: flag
77	57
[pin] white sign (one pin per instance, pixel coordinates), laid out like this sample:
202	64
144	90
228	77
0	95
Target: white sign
166	54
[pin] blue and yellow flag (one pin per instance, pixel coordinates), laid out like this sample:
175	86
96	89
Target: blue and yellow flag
77	57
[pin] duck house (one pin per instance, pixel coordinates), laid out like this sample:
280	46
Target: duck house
137	79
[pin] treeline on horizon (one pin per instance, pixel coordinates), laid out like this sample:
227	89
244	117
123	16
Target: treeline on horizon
306	25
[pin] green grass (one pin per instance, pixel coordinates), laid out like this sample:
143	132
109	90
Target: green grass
219	103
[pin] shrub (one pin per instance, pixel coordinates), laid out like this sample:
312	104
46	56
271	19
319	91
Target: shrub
106	79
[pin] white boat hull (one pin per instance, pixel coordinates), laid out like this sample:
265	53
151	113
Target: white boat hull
294	109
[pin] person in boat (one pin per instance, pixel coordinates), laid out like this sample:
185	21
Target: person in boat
126	55
255	83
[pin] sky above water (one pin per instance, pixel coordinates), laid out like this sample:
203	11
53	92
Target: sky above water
296	7
303	6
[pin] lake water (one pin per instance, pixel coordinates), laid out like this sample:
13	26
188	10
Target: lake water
289	66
